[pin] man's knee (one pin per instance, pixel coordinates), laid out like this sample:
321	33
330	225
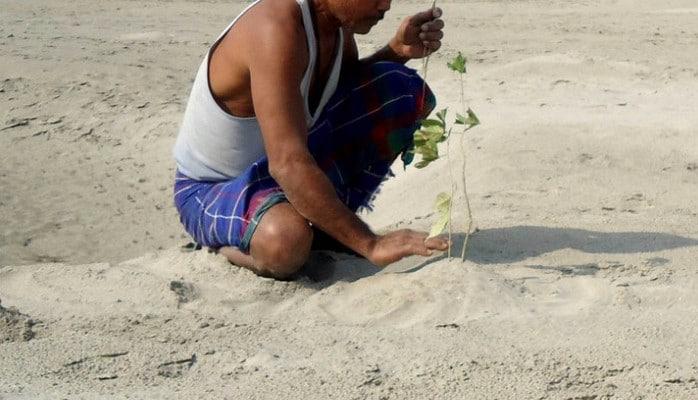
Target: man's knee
281	244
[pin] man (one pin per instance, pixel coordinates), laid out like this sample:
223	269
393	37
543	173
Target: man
287	133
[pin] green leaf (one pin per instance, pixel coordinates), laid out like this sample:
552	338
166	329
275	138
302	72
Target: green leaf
425	139
433	133
429	152
432	122
458	63
441	115
469	121
443	210
472	120
420	139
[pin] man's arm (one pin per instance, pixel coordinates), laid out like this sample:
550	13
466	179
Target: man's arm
350	55
276	71
418	36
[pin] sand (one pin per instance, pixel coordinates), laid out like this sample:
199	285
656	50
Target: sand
581	281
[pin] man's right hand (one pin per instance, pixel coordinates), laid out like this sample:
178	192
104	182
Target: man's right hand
391	247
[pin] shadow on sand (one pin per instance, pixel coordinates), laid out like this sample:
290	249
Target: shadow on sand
517	243
510	245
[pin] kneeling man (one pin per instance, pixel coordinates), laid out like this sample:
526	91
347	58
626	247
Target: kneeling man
287	133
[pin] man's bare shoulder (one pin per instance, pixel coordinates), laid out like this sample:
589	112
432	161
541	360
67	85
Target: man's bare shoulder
272	24
267	39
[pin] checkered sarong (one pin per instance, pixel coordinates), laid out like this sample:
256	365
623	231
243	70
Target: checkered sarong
368	122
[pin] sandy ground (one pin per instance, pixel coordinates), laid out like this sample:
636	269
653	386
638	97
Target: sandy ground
581	282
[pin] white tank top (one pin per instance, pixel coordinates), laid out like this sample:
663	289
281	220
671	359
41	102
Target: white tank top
212	144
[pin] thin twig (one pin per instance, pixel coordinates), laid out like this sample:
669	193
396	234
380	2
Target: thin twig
425	60
450	204
465	193
469	213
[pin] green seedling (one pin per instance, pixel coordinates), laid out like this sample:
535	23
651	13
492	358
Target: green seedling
426	140
469	121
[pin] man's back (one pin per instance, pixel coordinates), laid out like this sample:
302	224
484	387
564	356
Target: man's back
220	135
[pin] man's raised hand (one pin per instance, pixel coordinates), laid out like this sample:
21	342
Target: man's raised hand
419	35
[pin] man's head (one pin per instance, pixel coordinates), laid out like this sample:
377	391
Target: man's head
358	15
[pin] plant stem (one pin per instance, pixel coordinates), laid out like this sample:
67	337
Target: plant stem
465	188
450	226
462	93
467	206
425	62
450	205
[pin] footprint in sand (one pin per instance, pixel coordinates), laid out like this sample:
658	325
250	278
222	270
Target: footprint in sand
15	326
185	291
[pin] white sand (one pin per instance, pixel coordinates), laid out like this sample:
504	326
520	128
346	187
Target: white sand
582	282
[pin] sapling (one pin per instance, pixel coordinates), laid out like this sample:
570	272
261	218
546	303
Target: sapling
458	64
426	139
429	148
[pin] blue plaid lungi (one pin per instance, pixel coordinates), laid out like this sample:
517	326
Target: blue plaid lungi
368	122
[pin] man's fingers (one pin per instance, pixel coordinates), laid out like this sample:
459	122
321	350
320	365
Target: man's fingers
407	242
424	246
431	36
414	243
437	243
425	16
419	248
435	25
431	46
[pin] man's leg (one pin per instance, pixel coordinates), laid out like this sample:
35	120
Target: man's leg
246	219
280	245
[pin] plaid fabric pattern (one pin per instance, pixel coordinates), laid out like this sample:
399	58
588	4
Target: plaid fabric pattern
368	122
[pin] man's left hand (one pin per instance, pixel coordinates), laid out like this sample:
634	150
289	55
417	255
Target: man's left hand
419	35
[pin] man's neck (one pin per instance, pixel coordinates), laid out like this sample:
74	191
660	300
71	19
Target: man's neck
326	22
